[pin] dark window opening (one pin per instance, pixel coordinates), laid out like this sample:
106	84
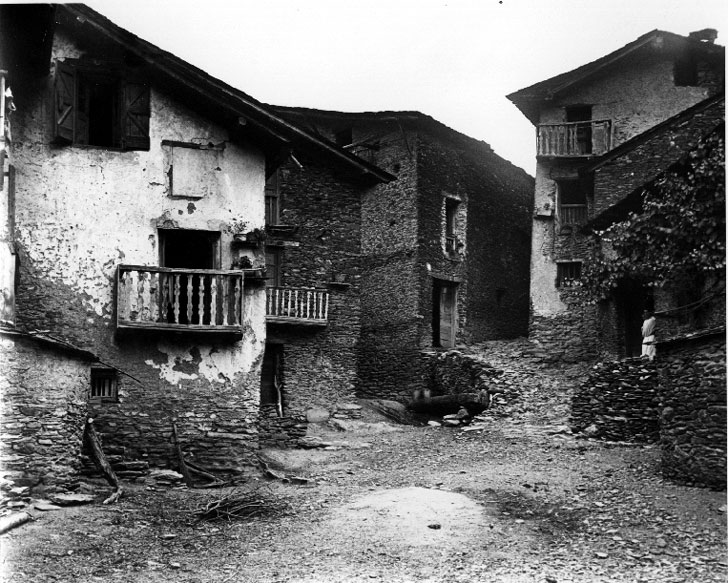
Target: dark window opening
98	111
94	106
583	131
190	250
572	196
500	293
273	266
271	378
344	137
104	386
568	273
451	208
685	71
272	200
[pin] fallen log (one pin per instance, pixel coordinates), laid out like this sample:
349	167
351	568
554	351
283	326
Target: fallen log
99	458
183	469
447	404
10	521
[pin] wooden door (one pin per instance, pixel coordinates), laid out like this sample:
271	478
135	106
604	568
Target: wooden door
448	314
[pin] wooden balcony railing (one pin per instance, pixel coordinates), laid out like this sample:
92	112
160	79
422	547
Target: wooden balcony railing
573	214
574	139
164	298
304	306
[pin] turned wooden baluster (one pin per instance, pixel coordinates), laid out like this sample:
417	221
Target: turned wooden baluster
189	298
238	315
140	296
213	299
225	299
175	288
154	297
326	305
201	302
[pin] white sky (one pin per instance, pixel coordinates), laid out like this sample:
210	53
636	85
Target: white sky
452	59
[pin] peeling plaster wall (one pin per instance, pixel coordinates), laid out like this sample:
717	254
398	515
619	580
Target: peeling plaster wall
81	211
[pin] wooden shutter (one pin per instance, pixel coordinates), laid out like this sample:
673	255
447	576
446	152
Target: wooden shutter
64	107
135	116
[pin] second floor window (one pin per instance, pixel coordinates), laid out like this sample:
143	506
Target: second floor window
451	209
272	200
572	195
94	106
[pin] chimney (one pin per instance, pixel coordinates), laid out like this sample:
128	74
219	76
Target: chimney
707	35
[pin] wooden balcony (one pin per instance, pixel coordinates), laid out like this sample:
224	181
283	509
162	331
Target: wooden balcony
300	306
192	300
575	139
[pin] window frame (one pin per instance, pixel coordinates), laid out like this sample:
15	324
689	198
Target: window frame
104	373
131	106
273	199
568	280
569	213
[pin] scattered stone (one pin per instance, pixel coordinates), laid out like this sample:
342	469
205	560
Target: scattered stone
451	422
601	555
434	424
317	415
45	506
175	565
434	526
71	499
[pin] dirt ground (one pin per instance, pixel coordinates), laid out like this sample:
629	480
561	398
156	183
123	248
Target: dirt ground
510	502
519	499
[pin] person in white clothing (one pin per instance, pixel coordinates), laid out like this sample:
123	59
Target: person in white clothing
648	336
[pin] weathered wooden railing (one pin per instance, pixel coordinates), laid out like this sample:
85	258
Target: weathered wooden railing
203	300
305	306
581	138
573	214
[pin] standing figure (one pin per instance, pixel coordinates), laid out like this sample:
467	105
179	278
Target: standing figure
648	336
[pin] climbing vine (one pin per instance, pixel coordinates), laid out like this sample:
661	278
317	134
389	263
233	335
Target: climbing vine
677	236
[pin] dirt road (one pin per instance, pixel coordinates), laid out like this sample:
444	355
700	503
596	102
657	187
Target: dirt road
511	502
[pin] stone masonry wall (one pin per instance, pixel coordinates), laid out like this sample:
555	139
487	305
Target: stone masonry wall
693	414
70	203
619	401
319	363
43	395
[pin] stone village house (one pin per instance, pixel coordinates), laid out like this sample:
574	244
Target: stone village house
437	257
603	130
139	221
606	133
133	203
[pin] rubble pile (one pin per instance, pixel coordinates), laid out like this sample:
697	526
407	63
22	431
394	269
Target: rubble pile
619	401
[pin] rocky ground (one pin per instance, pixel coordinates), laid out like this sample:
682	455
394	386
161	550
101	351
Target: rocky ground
513	498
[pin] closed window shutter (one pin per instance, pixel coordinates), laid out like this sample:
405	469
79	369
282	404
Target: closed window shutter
135	116
65	103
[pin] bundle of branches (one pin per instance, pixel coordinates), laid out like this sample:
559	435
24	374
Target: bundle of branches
237	505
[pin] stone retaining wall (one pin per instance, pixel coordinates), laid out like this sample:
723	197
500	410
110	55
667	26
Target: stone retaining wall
44	391
693	421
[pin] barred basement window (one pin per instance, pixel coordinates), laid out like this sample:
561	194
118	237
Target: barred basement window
104	385
568	273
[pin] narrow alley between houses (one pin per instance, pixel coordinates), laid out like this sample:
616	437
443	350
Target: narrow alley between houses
511	497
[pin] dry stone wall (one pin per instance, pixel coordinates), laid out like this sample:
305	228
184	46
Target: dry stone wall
693	415
619	402
43	407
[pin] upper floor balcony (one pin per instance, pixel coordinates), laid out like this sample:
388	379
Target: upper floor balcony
574	139
300	306
193	300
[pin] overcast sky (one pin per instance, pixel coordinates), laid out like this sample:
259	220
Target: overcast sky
452	59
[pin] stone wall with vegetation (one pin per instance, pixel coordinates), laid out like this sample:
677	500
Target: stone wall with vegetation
693	415
43	407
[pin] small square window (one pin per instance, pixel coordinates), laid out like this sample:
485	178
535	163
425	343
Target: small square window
568	273
104	385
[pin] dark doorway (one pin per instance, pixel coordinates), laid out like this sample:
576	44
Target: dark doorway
632	299
444	313
190	250
581	113
271	378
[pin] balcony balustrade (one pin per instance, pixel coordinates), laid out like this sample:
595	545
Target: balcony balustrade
164	298
302	306
573	214
574	139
